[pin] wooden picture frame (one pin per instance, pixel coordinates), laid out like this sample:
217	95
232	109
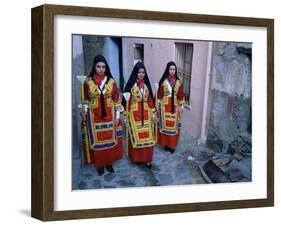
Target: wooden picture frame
43	112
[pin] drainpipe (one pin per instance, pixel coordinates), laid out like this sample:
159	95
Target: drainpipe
206	94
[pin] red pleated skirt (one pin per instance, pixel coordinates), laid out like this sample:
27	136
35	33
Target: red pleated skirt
140	155
169	141
105	157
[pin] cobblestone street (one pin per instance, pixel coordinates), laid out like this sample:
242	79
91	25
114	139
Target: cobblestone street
179	168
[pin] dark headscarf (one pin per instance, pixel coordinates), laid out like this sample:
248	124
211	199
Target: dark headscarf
164	76
133	79
97	59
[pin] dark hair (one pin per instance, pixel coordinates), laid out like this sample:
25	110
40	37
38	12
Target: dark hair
166	72
97	59
133	78
164	76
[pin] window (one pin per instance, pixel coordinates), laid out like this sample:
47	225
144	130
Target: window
183	58
138	52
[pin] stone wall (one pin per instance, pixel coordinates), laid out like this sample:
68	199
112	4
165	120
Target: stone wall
229	126
92	46
77	69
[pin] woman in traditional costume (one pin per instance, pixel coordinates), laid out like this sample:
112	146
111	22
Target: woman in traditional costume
140	115
170	99
101	124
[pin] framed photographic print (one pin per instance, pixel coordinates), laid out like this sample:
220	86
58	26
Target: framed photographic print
142	112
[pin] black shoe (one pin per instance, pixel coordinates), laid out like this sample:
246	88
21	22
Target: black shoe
148	165
100	171
167	148
110	169
171	150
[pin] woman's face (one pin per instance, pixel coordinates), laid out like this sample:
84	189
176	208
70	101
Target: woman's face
141	73
100	68
172	70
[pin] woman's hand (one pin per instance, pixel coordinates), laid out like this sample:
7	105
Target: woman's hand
154	117
123	117
180	109
118	117
117	121
83	115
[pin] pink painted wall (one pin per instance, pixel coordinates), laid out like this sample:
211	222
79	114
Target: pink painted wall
192	119
157	53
